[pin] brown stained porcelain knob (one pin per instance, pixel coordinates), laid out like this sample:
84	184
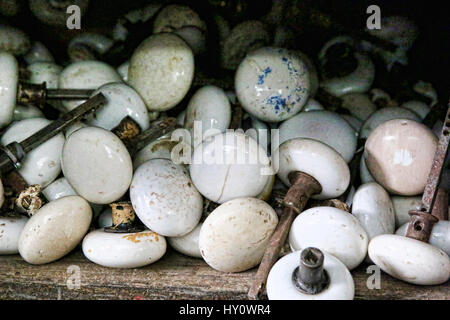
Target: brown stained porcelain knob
399	154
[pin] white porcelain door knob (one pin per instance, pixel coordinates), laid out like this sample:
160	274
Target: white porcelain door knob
123	250
210	107
89	74
122	101
10	230
439	237
187	244
325	126
41	165
272	84
55	230
318	160
97	165
383	115
8	87
373	208
402	206
234	236
331	230
229	165
399	154
175	16
280	285
165	199
359	105
161	70
410	260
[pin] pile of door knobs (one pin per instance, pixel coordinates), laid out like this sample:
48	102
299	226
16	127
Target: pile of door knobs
360	177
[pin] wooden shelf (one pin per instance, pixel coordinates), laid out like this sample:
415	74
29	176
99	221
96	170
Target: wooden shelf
173	277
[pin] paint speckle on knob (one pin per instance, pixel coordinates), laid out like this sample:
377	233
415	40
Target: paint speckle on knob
234	236
399	154
55	230
89	157
272	84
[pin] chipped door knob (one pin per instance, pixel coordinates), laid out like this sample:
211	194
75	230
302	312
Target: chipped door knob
310	274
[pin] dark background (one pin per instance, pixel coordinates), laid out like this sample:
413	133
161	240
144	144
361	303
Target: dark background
428	59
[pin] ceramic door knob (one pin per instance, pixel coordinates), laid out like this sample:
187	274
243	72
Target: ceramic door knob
324	126
122	70
97	165
42	165
245	37
194	37
89	74
161	70
105	218
383	115
229	165
439	237
426	264
26	112
8	86
165	199
359	105
49	73
10	230
123	250
402	205
122	101
234	236
281	286
187	244
399	154
164	148
272	84
418	107
358	78
364	173
331	230
13	40
38	53
210	108
312	105
88	46
354	122
174	16
373	208
58	189
55	230
317	160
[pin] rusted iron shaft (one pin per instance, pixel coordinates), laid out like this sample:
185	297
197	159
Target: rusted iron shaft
38	94
422	221
303	186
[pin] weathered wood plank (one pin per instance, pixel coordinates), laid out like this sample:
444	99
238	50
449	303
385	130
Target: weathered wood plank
173	277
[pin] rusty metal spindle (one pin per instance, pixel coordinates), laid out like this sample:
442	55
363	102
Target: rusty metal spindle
14	152
422	221
303	186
